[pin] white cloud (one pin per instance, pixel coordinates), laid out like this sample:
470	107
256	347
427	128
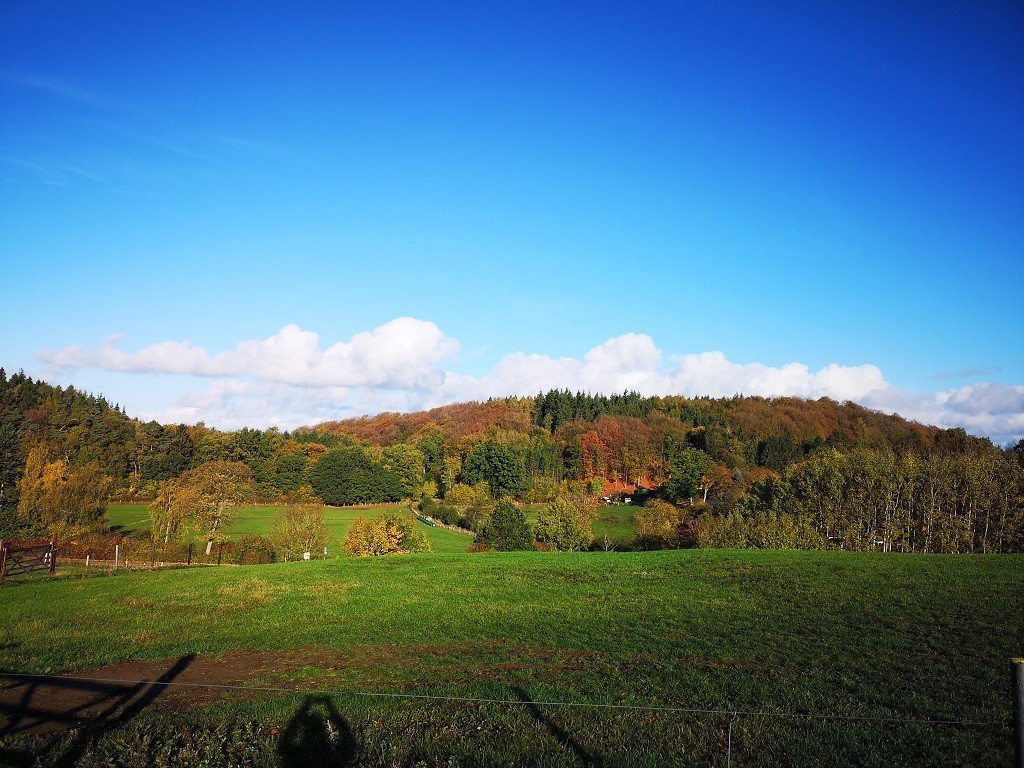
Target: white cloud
401	354
993	410
288	380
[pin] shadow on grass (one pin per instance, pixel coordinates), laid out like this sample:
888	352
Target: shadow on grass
89	708
316	735
586	758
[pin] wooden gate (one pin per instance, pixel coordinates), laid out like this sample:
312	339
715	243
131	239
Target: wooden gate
27	558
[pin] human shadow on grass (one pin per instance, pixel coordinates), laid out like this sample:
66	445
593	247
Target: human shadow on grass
316	735
564	737
91	709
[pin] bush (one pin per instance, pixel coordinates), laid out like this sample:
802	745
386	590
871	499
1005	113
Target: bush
658	525
252	549
443	513
391	534
565	526
447	514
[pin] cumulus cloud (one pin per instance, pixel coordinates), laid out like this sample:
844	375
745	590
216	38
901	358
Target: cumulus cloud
402	354
633	362
993	410
289	379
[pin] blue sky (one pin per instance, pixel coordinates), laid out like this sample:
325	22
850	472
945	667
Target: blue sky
287	215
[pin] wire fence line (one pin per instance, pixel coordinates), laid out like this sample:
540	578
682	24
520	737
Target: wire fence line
734	714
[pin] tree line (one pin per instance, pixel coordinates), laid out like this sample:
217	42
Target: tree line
740	471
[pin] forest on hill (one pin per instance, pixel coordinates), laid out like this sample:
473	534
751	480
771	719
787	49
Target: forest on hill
734	472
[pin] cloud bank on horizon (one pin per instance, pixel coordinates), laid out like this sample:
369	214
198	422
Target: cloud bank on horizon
289	380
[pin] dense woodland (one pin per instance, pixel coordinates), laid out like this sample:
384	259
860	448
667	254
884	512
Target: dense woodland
736	472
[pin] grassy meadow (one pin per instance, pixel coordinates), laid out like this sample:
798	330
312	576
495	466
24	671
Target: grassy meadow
133	520
653	650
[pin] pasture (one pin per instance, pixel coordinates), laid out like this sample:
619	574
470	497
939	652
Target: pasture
133	520
832	658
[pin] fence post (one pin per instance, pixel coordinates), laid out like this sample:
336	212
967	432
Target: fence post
728	754
53	554
189	554
220	551
1017	691
117	554
152	559
3	560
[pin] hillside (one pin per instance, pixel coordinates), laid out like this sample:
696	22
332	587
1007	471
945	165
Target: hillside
740	471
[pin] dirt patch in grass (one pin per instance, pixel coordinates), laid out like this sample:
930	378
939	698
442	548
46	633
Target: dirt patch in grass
116	693
33	703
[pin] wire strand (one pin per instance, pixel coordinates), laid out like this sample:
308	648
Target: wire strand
474	700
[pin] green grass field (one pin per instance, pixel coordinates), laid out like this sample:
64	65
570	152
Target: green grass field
615	522
133	519
642	636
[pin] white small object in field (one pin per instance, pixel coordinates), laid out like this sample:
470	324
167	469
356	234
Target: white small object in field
305	555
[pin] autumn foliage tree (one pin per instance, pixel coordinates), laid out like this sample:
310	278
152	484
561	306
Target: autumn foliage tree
658	525
59	498
300	528
390	534
166	515
208	494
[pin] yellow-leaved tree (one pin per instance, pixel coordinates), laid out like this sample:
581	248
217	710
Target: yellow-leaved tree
59	498
390	534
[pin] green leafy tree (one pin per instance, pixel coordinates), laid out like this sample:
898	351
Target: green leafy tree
346	475
497	464
406	461
289	471
686	467
507	529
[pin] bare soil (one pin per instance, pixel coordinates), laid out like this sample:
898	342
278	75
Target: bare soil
39	703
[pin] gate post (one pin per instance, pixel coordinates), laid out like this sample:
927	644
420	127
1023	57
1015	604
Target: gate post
1017	692
53	554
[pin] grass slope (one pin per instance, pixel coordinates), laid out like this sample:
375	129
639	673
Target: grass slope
841	634
133	519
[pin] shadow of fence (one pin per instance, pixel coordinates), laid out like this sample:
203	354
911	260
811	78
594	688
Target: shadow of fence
90	707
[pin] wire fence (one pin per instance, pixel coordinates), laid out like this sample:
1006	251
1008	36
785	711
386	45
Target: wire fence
734	715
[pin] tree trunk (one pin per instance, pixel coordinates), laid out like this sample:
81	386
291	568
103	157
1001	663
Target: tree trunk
213	531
